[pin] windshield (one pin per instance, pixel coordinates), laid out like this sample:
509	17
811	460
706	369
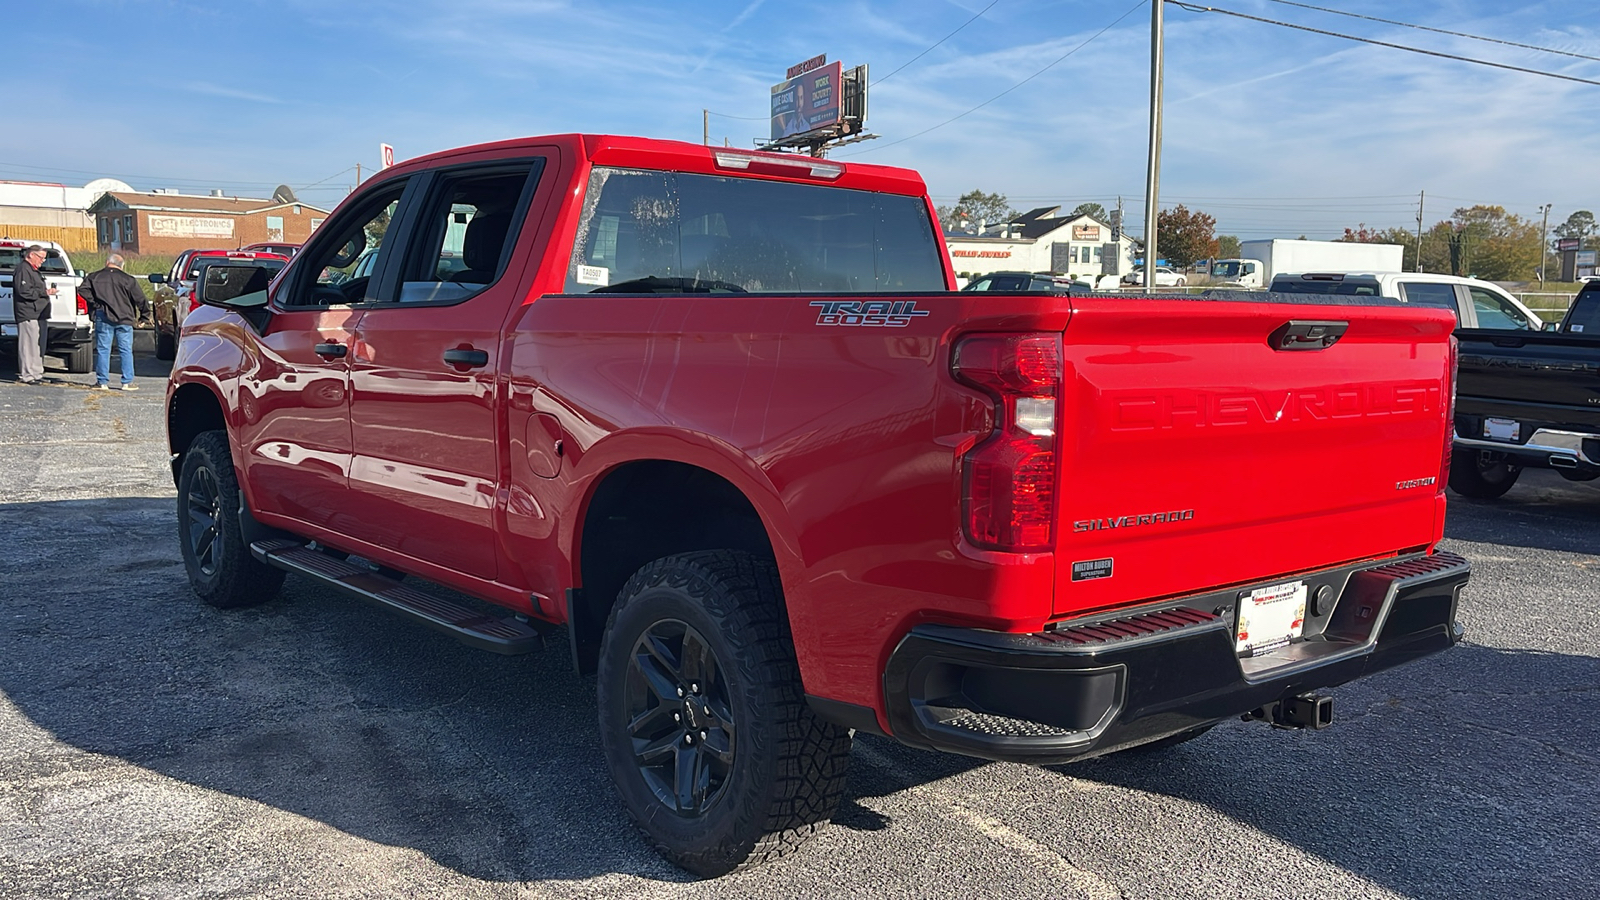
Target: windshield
646	232
54	262
1225	268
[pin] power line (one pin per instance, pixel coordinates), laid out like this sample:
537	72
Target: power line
1362	40
740	118
937	43
1008	90
1461	34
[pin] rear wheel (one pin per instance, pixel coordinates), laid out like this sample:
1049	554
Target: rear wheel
1482	474
221	569
80	359
705	726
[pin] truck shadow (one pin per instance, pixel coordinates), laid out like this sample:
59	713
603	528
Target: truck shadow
1466	774
316	705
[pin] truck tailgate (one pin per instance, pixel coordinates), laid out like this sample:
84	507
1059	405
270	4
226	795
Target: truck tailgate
1196	455
1548	370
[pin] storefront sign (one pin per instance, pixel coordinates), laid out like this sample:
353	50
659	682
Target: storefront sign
1086	233
190	227
981	254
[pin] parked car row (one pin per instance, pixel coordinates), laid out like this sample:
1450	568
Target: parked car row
177	300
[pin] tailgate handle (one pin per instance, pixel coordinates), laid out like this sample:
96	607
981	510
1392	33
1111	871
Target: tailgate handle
1305	335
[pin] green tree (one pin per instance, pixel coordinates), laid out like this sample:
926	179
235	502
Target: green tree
1495	245
1227	246
975	207
1578	225
1183	236
1093	210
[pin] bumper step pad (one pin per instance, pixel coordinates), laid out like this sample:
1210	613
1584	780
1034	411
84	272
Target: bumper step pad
509	636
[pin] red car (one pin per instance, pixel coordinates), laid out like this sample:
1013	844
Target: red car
171	306
277	247
721	415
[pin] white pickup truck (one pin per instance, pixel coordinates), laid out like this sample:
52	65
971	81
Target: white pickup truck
70	334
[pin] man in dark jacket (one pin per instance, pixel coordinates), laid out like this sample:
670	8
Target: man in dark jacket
114	301
30	304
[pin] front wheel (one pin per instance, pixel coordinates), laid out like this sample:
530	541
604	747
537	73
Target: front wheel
1482	474
221	569
706	729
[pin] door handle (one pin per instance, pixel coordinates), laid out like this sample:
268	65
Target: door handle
333	350
469	359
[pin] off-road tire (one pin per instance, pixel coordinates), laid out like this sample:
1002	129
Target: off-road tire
1482	475
788	767
166	345
221	569
80	359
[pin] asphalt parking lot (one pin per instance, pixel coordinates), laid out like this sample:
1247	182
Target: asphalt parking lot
153	747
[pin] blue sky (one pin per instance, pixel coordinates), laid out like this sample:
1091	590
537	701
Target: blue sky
1275	132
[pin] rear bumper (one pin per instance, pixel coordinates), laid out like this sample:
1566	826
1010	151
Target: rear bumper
1547	448
1101	684
57	337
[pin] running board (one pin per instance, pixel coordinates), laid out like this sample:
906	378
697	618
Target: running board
509	636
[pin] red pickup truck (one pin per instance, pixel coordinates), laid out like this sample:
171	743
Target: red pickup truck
722	415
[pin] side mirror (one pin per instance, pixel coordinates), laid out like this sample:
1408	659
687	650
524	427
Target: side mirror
157	278
236	287
1551	326
83	273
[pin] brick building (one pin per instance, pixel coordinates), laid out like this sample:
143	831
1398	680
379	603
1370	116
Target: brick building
169	223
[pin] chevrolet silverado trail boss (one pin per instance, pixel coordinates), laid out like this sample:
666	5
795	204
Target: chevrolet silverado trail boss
721	414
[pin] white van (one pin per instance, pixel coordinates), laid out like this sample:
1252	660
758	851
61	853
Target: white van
1477	304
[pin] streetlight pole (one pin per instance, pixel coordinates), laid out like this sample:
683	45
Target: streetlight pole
1544	254
1152	184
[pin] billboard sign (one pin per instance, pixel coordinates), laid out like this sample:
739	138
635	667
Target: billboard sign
814	62
1565	244
808	102
1586	257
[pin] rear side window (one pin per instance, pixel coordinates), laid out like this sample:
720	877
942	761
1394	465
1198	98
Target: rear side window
1495	311
665	232
1423	293
54	263
465	232
1585	315
1348	287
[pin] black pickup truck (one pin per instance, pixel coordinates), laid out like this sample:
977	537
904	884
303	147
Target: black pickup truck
1529	399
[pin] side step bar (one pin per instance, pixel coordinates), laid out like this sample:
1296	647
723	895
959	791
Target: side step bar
509	636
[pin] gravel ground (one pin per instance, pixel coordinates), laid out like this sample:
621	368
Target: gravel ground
151	747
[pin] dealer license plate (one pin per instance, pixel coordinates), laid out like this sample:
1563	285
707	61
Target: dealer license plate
1502	429
8	330
1270	617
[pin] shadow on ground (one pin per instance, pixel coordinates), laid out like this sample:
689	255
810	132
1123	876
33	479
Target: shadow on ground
1467	769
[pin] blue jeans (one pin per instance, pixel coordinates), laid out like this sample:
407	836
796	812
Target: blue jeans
104	331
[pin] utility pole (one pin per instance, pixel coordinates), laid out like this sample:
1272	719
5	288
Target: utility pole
1544	248
358	174
1152	183
705	127
1420	196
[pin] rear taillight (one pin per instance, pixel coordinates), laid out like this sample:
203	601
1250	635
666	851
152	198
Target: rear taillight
83	305
194	301
1449	416
1008	481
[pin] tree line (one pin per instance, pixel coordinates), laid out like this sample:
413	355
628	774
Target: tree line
1483	241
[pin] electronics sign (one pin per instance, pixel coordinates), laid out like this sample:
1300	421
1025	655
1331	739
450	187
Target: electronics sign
809	102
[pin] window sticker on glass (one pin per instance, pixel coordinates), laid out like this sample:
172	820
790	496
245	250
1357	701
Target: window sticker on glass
597	275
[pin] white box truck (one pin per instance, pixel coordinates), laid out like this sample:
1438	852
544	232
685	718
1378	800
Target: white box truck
1260	260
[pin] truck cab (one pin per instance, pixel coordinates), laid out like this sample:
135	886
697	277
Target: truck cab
69	333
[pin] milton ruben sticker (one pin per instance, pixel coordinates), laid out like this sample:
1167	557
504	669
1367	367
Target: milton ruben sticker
1090	569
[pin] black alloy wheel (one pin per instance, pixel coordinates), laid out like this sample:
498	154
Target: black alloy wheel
1482	474
713	749
680	721
221	570
204	507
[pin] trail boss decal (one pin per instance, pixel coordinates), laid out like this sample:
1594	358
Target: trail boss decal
868	313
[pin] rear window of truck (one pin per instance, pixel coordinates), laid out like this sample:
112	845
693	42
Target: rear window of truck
670	232
54	262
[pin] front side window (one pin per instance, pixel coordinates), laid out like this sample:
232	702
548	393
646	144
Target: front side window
344	266
665	232
1494	311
